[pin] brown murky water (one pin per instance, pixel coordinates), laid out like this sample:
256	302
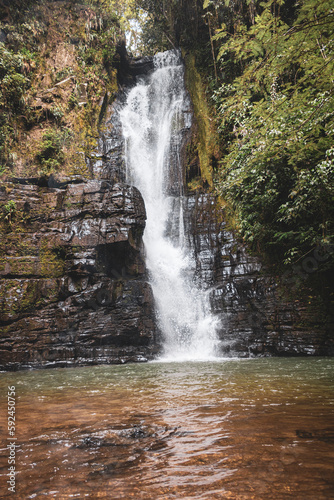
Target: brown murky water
247	429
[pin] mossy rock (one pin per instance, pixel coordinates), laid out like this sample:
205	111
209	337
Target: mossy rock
21	296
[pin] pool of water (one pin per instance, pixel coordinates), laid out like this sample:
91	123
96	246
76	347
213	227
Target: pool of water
230	429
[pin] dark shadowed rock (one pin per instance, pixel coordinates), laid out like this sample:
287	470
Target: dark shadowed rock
258	314
129	68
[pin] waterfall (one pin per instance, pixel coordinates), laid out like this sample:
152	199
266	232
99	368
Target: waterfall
154	118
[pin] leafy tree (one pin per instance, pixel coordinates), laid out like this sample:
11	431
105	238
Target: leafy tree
173	23
128	14
277	123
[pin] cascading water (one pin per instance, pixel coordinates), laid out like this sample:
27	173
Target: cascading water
154	117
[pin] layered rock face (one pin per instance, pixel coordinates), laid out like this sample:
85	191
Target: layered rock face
73	284
260	314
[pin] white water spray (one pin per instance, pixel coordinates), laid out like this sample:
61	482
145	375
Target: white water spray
152	119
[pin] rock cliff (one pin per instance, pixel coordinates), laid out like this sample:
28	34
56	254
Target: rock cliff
73	286
261	314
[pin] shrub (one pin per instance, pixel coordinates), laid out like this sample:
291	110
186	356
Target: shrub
51	155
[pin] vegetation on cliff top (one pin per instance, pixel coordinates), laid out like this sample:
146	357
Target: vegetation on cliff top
55	71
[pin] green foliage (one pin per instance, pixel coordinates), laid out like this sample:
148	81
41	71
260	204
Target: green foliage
30	65
73	100
13	86
13	83
51	155
6	133
12	219
56	113
97	50
9	211
277	124
64	73
173	23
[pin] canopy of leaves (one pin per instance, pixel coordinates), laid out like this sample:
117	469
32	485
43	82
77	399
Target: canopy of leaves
172	23
276	115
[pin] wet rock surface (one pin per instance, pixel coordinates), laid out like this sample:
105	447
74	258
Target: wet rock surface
73	282
129	68
260	314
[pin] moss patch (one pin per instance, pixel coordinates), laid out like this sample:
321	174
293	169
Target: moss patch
51	260
22	296
206	135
